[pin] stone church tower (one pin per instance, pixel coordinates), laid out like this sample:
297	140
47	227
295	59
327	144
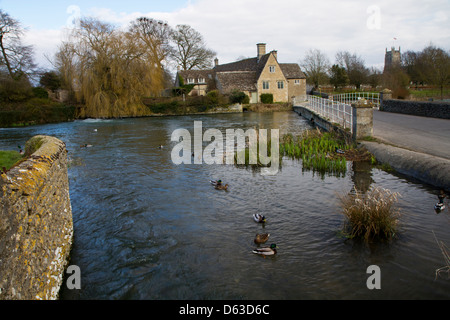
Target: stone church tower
392	58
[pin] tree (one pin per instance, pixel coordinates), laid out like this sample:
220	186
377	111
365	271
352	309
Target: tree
16	59
108	70
354	65
409	64
316	64
374	78
190	50
435	66
50	80
154	34
338	76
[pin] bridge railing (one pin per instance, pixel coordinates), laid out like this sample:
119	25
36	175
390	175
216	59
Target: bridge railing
352	97
334	111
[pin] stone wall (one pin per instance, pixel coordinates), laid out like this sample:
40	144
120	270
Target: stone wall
417	108
36	227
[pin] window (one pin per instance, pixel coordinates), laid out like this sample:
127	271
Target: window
190	80
265	85
272	69
201	80
296	81
280	84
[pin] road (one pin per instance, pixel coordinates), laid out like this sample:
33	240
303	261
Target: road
427	135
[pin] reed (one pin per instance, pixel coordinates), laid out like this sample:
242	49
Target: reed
446	253
370	215
317	150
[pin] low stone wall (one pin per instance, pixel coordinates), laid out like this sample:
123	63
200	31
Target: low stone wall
417	108
36	227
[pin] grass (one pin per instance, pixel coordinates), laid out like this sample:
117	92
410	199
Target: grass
317	150
370	216
9	158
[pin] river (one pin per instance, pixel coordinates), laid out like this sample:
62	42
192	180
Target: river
145	228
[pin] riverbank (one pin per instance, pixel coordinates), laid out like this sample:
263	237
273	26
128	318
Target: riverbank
34	111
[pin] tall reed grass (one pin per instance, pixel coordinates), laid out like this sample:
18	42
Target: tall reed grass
372	215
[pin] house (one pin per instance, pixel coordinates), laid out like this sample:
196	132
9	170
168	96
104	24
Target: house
253	76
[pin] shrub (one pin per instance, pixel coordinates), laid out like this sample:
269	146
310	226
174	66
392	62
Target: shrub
40	92
15	90
266	98
239	97
371	215
213	97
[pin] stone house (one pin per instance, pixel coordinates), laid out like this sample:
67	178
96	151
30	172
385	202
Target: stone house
253	76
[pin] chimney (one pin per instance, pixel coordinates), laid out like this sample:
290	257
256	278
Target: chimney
216	62
261	50
275	54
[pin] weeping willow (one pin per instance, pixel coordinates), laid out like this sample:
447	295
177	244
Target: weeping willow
109	70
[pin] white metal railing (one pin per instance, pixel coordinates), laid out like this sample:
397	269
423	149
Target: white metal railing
349	98
333	111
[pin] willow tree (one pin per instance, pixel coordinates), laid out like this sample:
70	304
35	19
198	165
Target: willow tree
108	70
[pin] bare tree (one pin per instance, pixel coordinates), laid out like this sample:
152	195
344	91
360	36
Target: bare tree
434	66
316	64
190	49
155	35
15	57
355	67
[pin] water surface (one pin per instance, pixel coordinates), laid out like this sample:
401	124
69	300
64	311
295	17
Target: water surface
148	229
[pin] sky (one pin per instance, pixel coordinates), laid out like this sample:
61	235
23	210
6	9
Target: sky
232	28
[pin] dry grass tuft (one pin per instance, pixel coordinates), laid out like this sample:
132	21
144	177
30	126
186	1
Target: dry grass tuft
370	215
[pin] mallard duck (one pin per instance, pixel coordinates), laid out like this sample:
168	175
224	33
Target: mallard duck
218	184
161	147
259	218
440	205
261	238
221	187
86	146
270	251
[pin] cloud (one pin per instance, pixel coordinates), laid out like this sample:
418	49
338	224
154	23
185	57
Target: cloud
233	27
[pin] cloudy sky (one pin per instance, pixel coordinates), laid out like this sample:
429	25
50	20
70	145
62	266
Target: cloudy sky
232	28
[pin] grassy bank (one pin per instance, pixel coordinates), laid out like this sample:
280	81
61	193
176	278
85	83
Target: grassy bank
9	158
264	107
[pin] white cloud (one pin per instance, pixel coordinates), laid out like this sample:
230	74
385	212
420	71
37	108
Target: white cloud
233	27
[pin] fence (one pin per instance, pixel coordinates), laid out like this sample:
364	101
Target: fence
349	98
334	111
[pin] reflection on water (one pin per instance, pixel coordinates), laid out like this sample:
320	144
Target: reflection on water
148	229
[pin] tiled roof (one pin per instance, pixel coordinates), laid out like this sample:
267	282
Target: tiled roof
292	71
242	80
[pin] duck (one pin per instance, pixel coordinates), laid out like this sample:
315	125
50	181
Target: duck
221	187
266	251
440	205
261	238
161	147
259	218
86	146
218	184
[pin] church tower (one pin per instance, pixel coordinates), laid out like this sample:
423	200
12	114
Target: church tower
392	58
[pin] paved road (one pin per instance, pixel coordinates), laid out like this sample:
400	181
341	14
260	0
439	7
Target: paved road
422	134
